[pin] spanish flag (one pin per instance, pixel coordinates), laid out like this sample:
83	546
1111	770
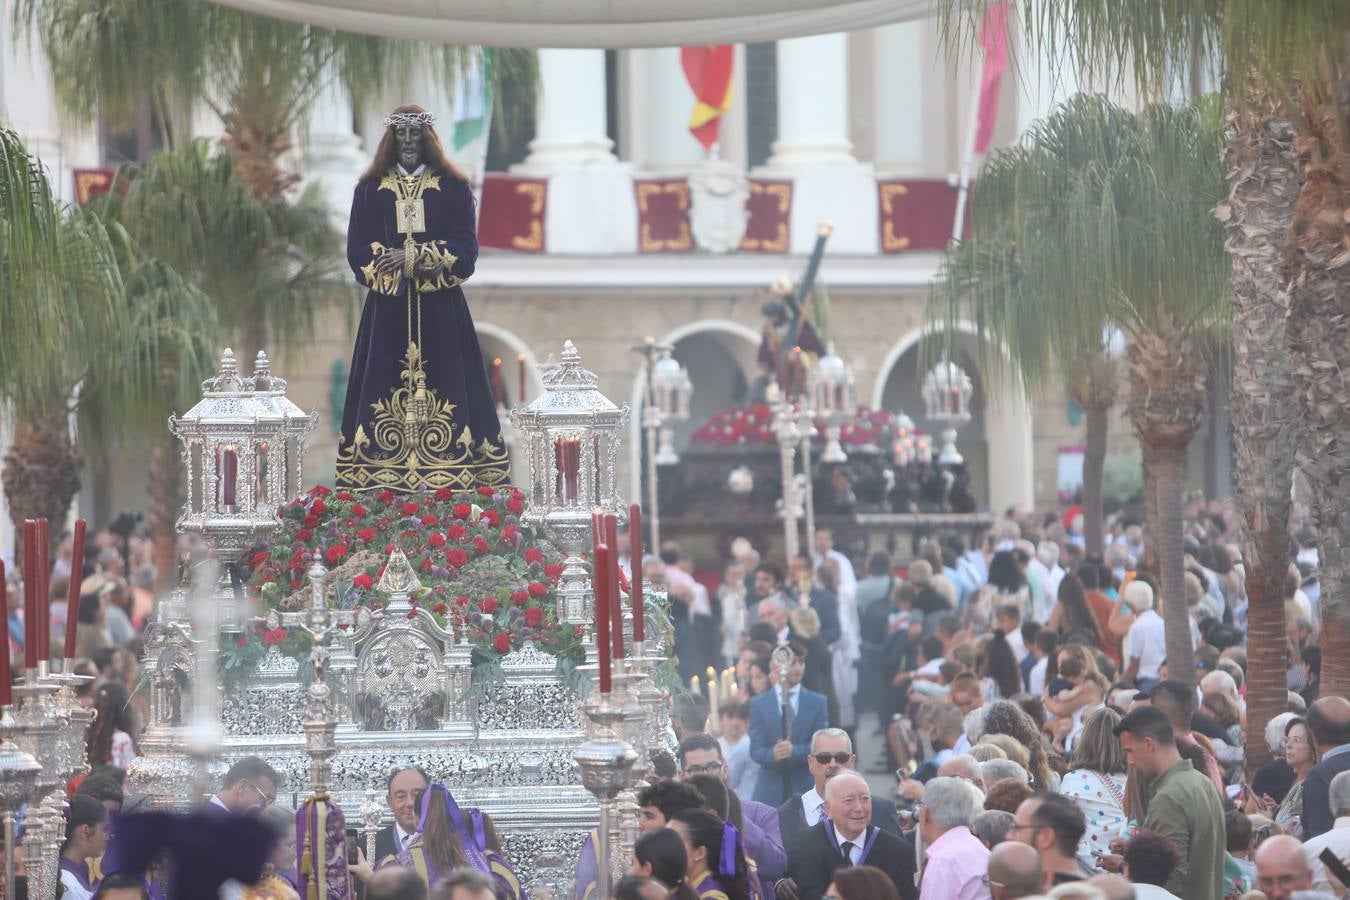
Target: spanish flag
708	70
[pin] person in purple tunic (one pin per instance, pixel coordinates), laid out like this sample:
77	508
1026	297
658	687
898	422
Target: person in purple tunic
717	866
86	838
449	838
419	411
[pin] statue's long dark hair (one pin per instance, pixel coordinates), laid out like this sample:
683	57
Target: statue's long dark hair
386	155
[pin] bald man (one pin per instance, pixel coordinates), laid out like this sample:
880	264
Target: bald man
1282	868
1014	871
1329	723
1114	887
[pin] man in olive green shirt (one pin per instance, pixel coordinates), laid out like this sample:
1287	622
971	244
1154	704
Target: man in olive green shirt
1183	804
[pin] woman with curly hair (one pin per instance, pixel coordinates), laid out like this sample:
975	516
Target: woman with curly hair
1006	717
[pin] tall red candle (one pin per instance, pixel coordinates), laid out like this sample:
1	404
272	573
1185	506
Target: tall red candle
6	674
30	589
520	375
44	592
601	591
73	595
612	582
635	593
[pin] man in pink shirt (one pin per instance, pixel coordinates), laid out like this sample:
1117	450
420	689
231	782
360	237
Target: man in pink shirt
956	860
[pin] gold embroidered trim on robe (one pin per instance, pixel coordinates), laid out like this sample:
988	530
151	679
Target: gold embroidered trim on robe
410	448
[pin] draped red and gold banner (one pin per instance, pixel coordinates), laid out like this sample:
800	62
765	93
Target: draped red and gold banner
90	183
663	215
916	214
709	71
512	213
769	207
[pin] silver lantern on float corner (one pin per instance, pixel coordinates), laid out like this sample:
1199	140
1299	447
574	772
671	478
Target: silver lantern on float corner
570	437
833	389
946	392
243	448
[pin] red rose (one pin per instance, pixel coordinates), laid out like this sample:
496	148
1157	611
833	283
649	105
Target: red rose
487	491
502	643
534	617
318	509
443	495
385	497
311	521
260	557
366	534
456	557
436	539
515	505
509	534
455	532
424	565
429	519
304	534
489	605
461	601
537	590
346	495
518	494
534	555
520	598
321	490
411	509
335	553
363	581
388	548
462	510
480	546
554	572
359	511
491	517
242	642
440	609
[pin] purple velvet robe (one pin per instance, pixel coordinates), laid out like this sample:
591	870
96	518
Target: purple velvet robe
446	435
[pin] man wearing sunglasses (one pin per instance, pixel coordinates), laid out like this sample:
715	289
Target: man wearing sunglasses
701	754
831	753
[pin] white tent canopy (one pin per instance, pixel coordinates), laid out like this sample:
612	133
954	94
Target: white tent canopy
592	23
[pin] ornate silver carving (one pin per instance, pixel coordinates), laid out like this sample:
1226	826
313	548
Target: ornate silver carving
717	217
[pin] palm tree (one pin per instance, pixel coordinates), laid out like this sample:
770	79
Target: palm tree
1102	220
91	326
1284	64
259	75
252	257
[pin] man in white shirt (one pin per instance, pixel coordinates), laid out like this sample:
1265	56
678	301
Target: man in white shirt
1047	552
1337	840
1146	641
848	579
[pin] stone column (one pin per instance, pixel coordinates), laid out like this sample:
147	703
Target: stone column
898	78
812	103
570	112
663	102
331	150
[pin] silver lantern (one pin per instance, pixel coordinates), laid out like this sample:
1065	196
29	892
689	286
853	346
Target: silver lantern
946	394
834	392
672	391
571	435
243	443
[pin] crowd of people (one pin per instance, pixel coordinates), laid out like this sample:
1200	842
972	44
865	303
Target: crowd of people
1012	696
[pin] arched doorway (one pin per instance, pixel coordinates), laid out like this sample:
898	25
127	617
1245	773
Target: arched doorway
997	442
720	357
499	343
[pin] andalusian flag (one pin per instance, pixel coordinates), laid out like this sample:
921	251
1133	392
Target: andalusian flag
470	112
709	70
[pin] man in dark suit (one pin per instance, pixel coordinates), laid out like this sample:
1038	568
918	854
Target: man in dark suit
847	838
1329	722
248	787
401	790
782	721
831	754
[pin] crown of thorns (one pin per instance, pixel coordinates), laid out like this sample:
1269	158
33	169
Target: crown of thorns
409	118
